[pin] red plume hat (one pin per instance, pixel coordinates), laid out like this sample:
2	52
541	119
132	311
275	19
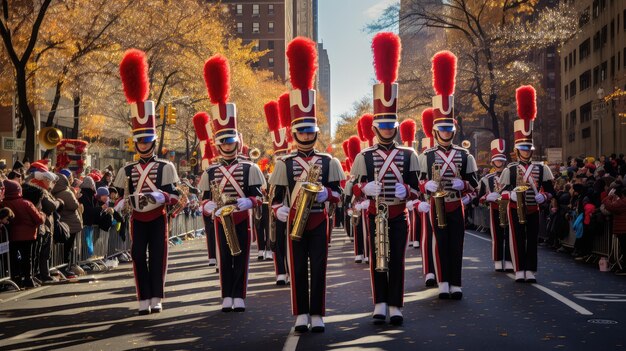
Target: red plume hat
302	57
223	113
354	147
427	127
497	150
278	134
386	47
444	75
366	122
134	74
407	132
527	112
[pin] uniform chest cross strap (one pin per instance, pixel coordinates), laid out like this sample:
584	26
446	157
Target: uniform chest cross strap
448	161
144	177
228	177
528	173
306	165
388	164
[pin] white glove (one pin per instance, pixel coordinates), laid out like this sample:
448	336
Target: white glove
466	200
400	191
350	213
431	186
322	196
364	205
120	205
423	207
372	189
282	213
410	205
458	184
540	198
244	204
513	196
159	197
492	197
209	207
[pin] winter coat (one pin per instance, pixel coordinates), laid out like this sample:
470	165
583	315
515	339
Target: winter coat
27	217
91	210
49	205
617	207
69	213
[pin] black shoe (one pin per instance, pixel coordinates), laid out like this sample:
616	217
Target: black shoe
227	309
457	295
379	319
143	312
444	296
155	310
520	280
532	281
302	328
239	309
396	320
430	283
318	329
281	282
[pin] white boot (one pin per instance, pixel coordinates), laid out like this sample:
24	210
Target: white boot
281	279
212	262
269	255
508	266
227	304
519	276
366	260
239	305
302	323
416	244
395	315
144	307
260	255
317	324
455	292
429	280
380	313
155	305
358	258
530	277
497	266
444	291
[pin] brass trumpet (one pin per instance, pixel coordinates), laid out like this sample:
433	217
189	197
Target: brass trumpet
439	196
255	154
382	233
503	204
306	198
520	191
227	207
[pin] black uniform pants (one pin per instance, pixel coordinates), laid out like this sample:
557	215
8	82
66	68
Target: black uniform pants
339	216
262	233
448	246
499	238
389	286
234	269
41	259
523	240
21	253
150	269
280	248
68	249
209	229
347	220
312	247
359	237
426	244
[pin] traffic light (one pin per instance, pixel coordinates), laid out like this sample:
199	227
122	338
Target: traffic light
171	115
161	113
130	144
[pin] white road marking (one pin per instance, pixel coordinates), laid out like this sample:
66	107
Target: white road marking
478	236
292	341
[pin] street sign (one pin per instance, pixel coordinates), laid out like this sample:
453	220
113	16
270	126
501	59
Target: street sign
13	144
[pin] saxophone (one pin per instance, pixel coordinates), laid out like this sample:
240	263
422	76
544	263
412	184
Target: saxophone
271	224
227	207
520	190
183	200
382	233
503	204
127	209
306	197
439	197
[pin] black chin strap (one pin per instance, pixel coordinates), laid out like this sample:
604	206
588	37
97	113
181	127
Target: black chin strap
382	140
307	144
441	140
227	154
146	153
519	156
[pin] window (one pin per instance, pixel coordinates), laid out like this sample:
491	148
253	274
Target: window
596	41
566	92
583	18
572	88
586	132
585	112
255	10
604	71
596	75
270	62
256	46
584	49
270	27
569	60
612	30
270	45
255	27
270	9
585	81
572	119
612	66
572	136
596	8
574	57
604	35
565	64
239	27
239	10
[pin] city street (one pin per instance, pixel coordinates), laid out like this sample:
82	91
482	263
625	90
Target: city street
574	306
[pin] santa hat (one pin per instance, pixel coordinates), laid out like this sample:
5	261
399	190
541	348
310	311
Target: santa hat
386	47
302	57
527	112
134	74
223	113
444	74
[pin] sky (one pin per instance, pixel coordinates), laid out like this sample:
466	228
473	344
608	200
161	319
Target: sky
340	28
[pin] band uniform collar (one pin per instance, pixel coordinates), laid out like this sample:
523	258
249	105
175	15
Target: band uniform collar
387	147
306	154
147	160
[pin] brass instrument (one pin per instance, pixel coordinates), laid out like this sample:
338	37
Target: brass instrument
227	207
127	209
254	154
306	197
49	137
382	233
439	196
520	190
503	204
183	199
271	223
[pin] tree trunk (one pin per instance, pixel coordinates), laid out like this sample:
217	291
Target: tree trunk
74	134
55	104
27	116
495	124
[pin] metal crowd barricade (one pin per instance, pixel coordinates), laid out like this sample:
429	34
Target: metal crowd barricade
481	218
602	242
5	262
100	248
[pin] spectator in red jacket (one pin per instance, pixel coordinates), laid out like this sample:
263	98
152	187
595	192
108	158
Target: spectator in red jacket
615	203
22	233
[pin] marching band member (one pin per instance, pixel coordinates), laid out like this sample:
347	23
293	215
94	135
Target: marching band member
238	183
150	183
278	132
489	190
202	128
426	229
534	181
455	177
346	196
407	135
290	177
387	175
359	206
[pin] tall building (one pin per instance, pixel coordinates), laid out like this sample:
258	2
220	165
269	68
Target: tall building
304	20
593	73
271	24
324	84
